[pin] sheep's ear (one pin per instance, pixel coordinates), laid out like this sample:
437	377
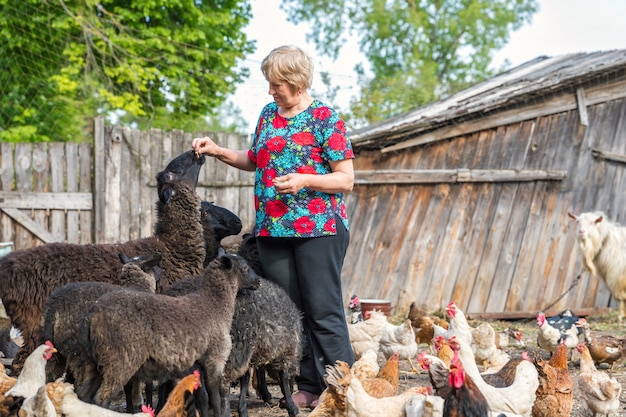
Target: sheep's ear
571	216
221	251
167	195
599	219
124	258
227	262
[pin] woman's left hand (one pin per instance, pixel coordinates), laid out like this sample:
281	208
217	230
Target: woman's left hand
288	184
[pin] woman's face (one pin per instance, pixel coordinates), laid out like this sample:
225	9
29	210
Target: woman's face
283	94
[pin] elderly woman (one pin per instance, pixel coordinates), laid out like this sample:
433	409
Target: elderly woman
303	163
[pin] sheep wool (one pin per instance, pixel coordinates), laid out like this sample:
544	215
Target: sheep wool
603	246
28	276
155	336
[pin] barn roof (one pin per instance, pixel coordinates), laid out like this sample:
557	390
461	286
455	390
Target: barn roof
529	83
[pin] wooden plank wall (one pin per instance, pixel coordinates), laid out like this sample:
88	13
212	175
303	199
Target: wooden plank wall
105	191
493	246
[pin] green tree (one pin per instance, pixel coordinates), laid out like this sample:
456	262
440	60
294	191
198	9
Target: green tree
154	63
417	51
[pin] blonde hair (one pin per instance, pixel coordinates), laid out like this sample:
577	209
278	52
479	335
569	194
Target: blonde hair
290	64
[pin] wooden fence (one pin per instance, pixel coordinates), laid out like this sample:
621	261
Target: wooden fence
104	191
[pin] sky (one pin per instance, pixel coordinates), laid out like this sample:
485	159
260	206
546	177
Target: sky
559	27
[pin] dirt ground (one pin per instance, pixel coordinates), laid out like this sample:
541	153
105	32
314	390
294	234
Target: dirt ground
600	324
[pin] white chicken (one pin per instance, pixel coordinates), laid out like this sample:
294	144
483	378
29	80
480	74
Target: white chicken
33	373
483	343
548	336
516	399
39	405
458	325
74	407
365	335
366	366
399	339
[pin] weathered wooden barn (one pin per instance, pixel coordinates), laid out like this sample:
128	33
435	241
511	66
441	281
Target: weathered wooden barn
466	199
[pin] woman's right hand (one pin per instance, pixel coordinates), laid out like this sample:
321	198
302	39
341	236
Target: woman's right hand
205	145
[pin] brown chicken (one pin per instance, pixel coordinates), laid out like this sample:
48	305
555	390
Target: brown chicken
180	401
505	375
464	399
444	351
556	385
355	400
332	401
55	391
6	381
600	391
603	348
422	323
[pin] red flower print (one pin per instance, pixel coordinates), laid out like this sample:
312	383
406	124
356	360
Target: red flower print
262	158
268	177
251	156
333	201
340	126
256	202
316	206
261	121
337	142
316	155
276	144
330	225
303	138
304	225
342	211
306	170
279	122
322	113
276	208
349	154
264	232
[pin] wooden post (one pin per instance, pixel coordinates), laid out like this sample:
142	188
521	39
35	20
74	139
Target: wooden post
99	183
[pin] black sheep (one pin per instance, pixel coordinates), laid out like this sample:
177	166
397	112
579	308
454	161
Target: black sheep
28	276
67	304
155	336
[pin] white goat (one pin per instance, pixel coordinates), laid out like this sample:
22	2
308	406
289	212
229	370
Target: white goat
603	245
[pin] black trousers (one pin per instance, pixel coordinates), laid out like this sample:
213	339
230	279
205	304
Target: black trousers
309	269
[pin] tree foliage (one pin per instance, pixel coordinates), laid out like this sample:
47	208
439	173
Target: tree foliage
417	51
150	63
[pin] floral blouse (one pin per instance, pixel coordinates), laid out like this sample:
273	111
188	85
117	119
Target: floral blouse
304	143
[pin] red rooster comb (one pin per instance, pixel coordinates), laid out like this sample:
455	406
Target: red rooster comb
49	344
196	383
147	409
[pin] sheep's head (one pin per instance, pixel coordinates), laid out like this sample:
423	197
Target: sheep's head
587	223
184	168
236	265
219	221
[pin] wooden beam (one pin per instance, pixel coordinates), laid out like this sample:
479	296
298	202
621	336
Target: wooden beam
530	315
43	200
582	106
30	225
434	176
611	156
558	104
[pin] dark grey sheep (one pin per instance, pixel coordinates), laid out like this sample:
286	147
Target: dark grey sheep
67	304
217	223
155	336
266	334
28	276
